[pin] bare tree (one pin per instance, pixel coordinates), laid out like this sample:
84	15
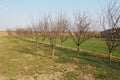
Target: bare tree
44	29
52	34
80	31
29	31
36	34
10	32
19	33
111	24
62	24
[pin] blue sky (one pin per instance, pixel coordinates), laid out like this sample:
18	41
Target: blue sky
20	13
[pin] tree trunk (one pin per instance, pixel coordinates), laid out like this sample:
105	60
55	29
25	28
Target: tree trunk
78	49
110	54
53	51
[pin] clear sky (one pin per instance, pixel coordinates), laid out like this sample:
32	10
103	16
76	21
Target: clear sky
20	13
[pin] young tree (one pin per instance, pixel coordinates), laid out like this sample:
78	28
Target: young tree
36	34
10	32
44	29
62	24
19	33
29	32
52	35
80	31
111	24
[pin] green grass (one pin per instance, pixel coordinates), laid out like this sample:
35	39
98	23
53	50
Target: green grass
94	45
25	62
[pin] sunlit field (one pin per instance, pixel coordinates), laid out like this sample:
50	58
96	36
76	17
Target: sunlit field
59	40
25	62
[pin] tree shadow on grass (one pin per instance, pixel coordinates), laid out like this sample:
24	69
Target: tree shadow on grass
32	50
104	70
68	52
94	60
99	61
26	51
66	55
